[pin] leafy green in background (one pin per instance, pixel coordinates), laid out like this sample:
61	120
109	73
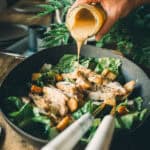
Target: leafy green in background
57	35
131	36
53	5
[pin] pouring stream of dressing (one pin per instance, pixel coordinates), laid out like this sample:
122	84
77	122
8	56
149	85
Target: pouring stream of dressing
83	22
82	28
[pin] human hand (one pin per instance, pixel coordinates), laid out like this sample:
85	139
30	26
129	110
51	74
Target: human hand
115	9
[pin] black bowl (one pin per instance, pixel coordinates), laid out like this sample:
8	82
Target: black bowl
22	73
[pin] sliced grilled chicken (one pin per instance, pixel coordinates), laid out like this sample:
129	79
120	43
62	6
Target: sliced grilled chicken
67	87
112	89
99	95
39	101
71	90
95	78
116	88
72	75
91	76
57	98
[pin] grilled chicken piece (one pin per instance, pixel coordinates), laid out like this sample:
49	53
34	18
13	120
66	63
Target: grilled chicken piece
44	105
80	77
53	100
57	98
87	73
77	73
99	95
67	87
39	101
83	83
72	75
95	78
116	88
108	91
72	91
91	75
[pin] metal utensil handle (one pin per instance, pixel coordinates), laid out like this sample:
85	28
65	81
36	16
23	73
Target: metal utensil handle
10	53
103	135
69	137
17	56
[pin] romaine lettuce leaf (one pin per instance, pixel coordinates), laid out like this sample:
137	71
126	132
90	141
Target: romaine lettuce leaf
69	62
134	104
25	111
38	126
138	103
112	64
66	63
29	119
88	107
88	62
135	115
129	120
12	103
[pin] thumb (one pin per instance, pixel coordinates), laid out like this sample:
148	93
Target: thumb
105	28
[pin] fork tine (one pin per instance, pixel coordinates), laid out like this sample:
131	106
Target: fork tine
70	136
103	135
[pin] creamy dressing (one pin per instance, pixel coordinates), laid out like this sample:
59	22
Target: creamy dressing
84	21
82	28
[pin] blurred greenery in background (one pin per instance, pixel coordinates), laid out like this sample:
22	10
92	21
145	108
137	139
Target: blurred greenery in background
130	35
